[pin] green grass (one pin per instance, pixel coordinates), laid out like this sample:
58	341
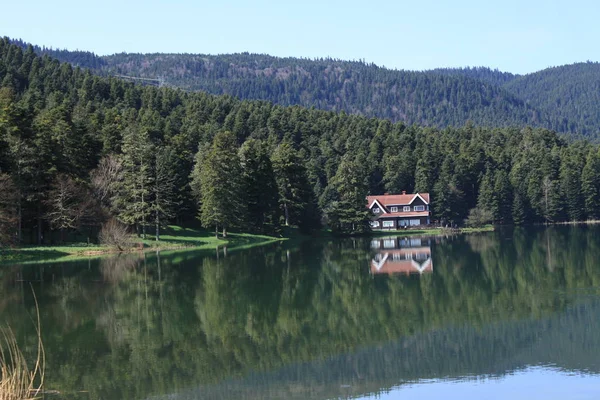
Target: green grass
174	237
432	231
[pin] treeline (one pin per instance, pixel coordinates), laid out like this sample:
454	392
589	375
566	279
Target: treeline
77	149
562	98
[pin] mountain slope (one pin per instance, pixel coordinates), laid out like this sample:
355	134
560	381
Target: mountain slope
563	98
571	93
425	98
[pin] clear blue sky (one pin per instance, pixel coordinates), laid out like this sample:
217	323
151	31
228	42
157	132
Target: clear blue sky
514	35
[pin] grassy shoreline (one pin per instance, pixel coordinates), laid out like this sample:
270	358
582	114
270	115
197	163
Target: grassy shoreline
432	231
174	238
177	238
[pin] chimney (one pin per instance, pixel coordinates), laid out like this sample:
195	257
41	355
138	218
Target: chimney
404	192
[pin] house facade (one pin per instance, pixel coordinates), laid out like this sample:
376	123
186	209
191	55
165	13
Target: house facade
399	211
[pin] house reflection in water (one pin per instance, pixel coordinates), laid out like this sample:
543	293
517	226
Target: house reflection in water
401	255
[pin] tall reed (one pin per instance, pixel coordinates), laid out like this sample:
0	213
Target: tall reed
17	380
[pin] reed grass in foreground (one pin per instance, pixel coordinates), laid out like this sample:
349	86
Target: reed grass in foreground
17	381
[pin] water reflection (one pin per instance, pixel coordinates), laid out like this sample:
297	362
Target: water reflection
311	320
396	255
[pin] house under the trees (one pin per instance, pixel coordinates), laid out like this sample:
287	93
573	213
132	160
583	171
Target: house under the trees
399	211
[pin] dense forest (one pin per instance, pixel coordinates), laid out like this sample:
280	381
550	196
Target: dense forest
563	98
77	150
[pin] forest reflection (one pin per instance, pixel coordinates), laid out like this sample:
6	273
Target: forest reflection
312	319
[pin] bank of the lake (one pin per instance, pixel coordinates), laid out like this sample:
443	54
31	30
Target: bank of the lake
174	237
432	231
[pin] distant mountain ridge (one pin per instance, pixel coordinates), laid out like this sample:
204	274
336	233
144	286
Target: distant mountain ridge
561	98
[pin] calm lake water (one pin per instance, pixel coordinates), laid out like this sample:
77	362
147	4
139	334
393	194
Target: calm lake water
511	314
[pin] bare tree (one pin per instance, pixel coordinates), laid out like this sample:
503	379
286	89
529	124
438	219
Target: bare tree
105	177
115	234
8	210
68	203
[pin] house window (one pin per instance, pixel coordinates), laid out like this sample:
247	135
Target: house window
376	210
393	209
389	244
388	224
406	208
419	208
415	222
374	224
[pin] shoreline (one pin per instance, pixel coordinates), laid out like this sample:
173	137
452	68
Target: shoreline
188	239
431	231
175	238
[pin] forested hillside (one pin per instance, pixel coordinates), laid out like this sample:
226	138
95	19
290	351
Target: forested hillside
563	98
424	98
570	94
77	149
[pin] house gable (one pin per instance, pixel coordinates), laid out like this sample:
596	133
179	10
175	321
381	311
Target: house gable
418	200
377	203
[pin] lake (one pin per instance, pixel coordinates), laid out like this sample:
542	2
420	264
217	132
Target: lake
508	314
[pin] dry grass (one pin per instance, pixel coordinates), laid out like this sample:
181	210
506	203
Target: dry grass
17	381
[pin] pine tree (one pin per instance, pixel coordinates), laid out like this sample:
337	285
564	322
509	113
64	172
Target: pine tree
260	188
165	202
449	205
590	185
349	214
296	197
504	196
133	200
519	211
221	185
570	182
488	198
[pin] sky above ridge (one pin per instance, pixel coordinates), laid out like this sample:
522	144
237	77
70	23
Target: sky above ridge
514	36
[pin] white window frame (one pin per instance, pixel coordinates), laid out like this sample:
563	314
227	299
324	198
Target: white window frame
388	224
389	244
376	210
406	208
419	208
374	224
393	209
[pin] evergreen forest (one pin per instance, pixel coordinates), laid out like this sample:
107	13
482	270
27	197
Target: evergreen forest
78	149
563	99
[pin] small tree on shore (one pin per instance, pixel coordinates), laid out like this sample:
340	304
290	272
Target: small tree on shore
479	217
114	234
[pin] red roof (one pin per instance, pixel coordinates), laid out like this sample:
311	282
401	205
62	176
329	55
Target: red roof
386	263
396	199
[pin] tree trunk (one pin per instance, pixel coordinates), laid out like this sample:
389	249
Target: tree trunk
157	226
287	214
224	232
217	231
20	222
143	215
39	229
